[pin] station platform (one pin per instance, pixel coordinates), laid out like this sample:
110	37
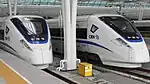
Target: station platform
17	71
99	77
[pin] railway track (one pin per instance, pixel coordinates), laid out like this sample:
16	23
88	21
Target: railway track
60	77
140	74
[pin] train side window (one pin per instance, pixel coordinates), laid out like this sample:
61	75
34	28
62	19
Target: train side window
1	34
94	28
61	32
142	28
81	33
145	31
57	32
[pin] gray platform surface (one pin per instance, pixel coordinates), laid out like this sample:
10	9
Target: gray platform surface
31	73
99	77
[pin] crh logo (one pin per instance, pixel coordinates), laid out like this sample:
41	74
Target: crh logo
91	37
94	37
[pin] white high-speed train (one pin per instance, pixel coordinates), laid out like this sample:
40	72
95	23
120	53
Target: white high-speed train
112	39
27	37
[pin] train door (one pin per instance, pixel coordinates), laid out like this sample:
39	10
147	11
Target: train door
81	35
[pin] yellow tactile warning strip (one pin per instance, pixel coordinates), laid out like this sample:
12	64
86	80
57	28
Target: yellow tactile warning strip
10	75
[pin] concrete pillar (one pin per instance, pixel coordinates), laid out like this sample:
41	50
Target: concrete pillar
69	9
14	10
9	7
141	11
15	6
73	31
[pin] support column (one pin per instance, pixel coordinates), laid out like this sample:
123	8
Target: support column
14	10
15	6
73	8
9	7
67	35
141	10
69	10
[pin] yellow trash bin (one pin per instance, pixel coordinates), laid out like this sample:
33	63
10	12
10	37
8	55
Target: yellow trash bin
85	69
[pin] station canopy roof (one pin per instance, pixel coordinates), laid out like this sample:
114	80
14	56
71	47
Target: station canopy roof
105	3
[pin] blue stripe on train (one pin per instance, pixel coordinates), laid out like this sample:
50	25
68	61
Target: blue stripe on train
92	43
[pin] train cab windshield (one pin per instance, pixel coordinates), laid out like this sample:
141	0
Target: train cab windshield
33	29
121	26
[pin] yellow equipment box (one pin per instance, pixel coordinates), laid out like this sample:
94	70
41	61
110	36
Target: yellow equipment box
85	69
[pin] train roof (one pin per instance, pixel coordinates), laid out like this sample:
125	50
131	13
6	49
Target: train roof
52	20
85	17
100	15
142	23
19	16
3	19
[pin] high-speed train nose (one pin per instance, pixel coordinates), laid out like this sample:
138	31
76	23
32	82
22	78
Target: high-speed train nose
37	57
41	56
46	56
139	54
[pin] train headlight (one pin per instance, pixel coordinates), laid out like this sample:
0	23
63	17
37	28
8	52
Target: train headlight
137	37
133	37
129	37
122	42
25	44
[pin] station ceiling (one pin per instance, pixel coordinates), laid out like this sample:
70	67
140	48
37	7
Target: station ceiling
52	7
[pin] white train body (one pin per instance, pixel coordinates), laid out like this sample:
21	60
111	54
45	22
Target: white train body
111	37
27	37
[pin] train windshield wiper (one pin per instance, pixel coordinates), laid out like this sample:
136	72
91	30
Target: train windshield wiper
32	33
